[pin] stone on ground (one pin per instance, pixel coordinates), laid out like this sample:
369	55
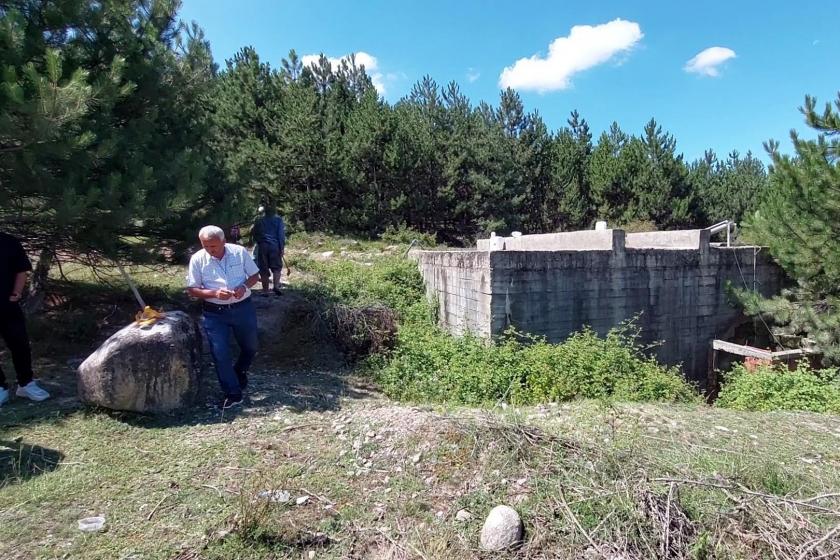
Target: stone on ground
145	369
502	529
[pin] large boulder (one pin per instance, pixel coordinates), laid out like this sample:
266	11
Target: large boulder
145	369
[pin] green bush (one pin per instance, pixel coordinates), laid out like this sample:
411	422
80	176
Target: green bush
403	235
393	281
428	364
775	387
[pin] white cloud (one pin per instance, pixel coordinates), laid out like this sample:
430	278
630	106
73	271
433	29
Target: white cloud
707	62
369	61
586	46
472	75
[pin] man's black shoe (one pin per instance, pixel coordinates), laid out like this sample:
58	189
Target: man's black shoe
277	292
243	379
230	402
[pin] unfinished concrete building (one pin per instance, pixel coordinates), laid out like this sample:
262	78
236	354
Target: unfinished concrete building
555	284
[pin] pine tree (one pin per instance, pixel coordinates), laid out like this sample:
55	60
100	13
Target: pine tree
799	220
96	147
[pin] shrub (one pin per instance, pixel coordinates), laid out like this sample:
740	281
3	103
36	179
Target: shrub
360	331
775	387
393	282
428	364
403	235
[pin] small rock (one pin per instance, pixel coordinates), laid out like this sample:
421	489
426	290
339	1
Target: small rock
92	524
275	496
302	500
327	254
502	529
463	515
311	554
371	434
416	458
722	428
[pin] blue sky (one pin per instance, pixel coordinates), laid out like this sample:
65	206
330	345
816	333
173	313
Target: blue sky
612	61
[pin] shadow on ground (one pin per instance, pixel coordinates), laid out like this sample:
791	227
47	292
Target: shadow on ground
20	461
298	369
271	389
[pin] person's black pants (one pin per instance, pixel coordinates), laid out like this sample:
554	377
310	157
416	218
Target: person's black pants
13	331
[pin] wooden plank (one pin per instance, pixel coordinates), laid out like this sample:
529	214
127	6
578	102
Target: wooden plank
752	352
742	350
789	353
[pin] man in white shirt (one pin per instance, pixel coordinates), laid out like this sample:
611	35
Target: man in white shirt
221	275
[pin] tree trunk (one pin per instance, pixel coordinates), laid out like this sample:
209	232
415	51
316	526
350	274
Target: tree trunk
38	287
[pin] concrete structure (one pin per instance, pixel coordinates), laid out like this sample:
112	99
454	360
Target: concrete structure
555	284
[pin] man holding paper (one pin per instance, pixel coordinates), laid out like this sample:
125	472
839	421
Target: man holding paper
221	275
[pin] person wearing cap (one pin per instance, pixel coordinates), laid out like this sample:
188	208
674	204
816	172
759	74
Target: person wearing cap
221	275
269	236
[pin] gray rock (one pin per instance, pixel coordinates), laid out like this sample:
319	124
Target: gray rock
463	515
502	529
145	369
275	496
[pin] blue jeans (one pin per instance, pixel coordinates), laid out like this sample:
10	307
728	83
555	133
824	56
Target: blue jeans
242	320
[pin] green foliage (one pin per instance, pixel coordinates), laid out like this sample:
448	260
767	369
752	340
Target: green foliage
728	189
101	130
775	387
391	281
404	235
799	220
428	364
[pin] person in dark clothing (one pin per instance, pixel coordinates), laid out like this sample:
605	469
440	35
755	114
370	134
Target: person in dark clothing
269	236
14	266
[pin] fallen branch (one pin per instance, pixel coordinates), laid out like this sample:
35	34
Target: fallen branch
152	513
580	528
739	488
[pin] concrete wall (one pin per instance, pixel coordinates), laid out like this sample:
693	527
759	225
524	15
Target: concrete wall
684	239
680	294
589	240
460	282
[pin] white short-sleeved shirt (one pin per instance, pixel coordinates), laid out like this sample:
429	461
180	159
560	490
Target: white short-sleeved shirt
230	272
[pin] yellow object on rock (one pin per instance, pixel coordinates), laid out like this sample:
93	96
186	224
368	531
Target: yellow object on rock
148	317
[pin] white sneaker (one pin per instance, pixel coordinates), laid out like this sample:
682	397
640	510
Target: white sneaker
32	392
4	396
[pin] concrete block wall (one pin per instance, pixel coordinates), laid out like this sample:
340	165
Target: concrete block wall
459	281
565	241
679	295
683	239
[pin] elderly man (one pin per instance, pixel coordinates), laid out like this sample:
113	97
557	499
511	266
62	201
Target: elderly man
14	266
221	275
